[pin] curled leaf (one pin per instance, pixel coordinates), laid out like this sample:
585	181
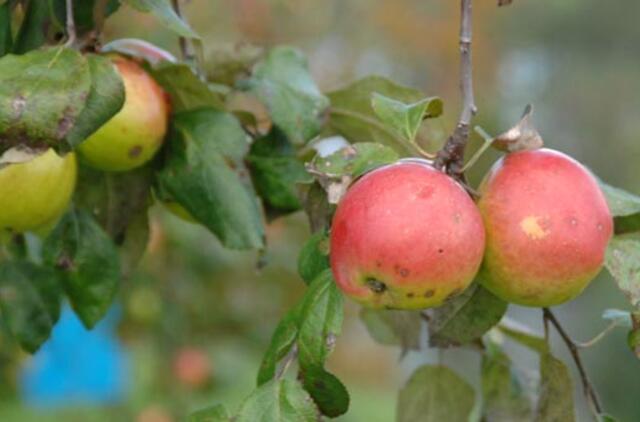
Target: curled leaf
521	137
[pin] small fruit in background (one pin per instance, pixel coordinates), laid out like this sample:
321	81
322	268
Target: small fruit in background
35	193
405	236
547	225
133	136
191	366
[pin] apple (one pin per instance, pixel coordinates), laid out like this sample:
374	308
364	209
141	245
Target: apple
405	236
133	136
191	367
547	224
35	193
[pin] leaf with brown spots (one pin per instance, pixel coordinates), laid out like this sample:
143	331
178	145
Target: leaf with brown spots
622	259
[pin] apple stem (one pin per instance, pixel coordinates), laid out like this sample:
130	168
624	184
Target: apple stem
71	24
451	156
589	390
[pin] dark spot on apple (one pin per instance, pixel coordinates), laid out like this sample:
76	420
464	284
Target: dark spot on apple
376	286
135	151
410	294
440	250
429	293
378	264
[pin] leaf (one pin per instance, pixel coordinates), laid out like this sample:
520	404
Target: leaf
316	206
402	328
353	116
282	340
502	394
624	206
603	417
465	318
205	149
83	12
42	93
278	400
31	34
140	49
314	256
275	171
555	402
186	90
435	393
622	259
88	262
226	63
29	301
523	335
321	318
282	81
105	99
327	391
163	11
633	338
216	413
405	119
523	136
6	38
621	318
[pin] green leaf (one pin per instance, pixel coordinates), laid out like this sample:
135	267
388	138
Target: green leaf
205	149
226	63
355	160
625	207
217	413
327	391
83	12
29	301
314	256
31	34
88	262
352	114
555	402
42	93
321	318
279	400
6	38
622	259
402	328
283	339
603	417
405	119
435	393
522	335
502	394
163	11
186	90
282	81
316	206
466	317
105	99
275	171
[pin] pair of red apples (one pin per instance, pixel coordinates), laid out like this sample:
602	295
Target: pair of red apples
407	236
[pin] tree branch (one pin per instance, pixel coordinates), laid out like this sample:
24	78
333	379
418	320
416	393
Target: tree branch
589	390
71	24
451	156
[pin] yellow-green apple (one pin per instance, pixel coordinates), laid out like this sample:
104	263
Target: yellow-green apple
35	193
133	136
547	225
405	236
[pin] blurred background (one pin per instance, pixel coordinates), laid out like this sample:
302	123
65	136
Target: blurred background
192	323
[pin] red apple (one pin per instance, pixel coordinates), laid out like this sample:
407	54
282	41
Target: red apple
191	367
547	224
405	236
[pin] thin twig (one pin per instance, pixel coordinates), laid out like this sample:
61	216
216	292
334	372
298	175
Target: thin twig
589	390
451	156
598	337
71	24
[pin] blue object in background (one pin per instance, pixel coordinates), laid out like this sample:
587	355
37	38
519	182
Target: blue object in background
77	366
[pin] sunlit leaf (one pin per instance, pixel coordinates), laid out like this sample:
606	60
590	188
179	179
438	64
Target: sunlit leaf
405	119
278	400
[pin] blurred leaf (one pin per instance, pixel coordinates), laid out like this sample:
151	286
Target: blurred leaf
227	63
205	150
624	206
353	116
105	99
29	301
555	402
316	206
83	12
634	335
217	413
6	38
283	82
465	318
279	400
275	171
88	262
621	318
42	93
321	318
282	340
435	393
622	259
186	90
163	11
522	335
502	395
603	417
314	256
31	34
394	327
405	119
327	391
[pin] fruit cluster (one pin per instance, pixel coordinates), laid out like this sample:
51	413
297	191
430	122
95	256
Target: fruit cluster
407	236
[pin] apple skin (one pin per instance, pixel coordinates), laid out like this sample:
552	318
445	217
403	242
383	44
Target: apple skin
34	194
405	236
133	136
547	224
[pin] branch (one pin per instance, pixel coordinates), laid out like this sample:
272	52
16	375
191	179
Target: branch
71	24
589	390
451	156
